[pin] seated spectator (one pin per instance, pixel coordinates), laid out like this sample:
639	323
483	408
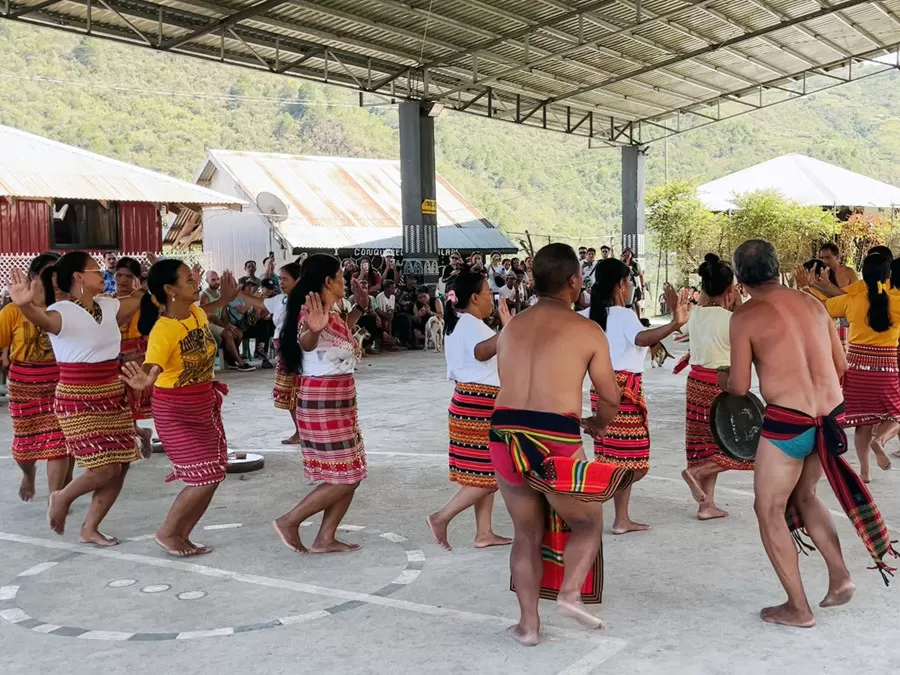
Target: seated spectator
227	335
496	273
511	294
372	323
427	306
350	271
368	274
249	274
391	270
385	306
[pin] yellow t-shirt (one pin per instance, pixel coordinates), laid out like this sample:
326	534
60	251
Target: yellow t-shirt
185	350
855	308
130	330
26	341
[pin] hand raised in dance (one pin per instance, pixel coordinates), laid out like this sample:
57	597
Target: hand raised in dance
506	314
801	277
360	296
316	314
228	287
21	290
136	377
682	311
670	295
197	274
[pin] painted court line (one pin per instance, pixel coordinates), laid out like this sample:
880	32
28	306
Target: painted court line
37	569
16	616
223	526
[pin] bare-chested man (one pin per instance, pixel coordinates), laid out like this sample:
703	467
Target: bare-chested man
543	355
792	341
839	274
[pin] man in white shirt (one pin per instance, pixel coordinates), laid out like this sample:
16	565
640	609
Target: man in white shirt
588	265
384	307
509	293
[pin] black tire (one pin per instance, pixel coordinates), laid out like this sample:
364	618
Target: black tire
247	465
157	446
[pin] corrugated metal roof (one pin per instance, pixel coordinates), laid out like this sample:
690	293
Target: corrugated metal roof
35	167
341	202
807	181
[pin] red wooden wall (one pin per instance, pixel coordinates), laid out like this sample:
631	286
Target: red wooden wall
139	227
24	226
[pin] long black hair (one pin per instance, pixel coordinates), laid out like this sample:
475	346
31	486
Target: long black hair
315	271
465	286
62	273
163	273
129	264
716	277
292	269
876	269
36	268
608	274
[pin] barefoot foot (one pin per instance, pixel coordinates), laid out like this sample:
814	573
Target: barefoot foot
696	491
333	547
293	440
840	595
97	538
786	615
711	512
177	547
290	536
26	487
438	531
56	513
491	539
575	609
628	526
146	436
884	462
199	549
524	637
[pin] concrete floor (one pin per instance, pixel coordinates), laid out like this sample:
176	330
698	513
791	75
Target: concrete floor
682	598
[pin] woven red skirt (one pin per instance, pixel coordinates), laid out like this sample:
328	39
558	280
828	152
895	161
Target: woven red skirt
871	386
330	439
189	423
139	401
285	390
627	440
470	424
843	331
699	444
32	393
94	416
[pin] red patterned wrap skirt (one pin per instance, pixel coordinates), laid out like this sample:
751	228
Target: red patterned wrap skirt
871	386
285	390
699	444
470	424
627	440
32	394
189	423
139	401
843	331
327	421
94	415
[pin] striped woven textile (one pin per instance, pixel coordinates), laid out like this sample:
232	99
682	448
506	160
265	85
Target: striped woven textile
871	385
139	401
843	331
699	444
470	423
330	439
94	416
627	440
189	423
852	494
32	393
285	391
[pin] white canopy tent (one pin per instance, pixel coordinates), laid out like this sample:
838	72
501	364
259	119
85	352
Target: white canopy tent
807	181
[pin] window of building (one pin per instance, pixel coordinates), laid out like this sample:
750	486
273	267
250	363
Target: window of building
84	224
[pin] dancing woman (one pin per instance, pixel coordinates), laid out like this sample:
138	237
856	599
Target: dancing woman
626	443
471	351
91	405
285	391
33	376
319	345
186	401
708	330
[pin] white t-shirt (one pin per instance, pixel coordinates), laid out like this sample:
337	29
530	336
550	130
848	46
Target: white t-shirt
459	350
493	273
622	326
507	293
708	329
385	303
277	307
81	339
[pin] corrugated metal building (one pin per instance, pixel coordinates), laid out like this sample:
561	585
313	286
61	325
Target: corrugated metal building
58	197
335	204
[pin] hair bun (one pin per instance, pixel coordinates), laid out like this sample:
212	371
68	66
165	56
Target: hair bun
711	258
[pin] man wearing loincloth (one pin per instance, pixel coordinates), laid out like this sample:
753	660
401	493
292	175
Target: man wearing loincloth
793	343
543	355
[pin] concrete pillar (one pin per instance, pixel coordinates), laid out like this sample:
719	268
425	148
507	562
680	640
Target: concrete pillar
418	190
633	216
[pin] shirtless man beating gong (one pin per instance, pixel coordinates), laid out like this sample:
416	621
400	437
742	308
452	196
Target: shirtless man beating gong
799	359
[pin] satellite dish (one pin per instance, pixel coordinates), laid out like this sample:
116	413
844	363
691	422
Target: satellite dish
272	206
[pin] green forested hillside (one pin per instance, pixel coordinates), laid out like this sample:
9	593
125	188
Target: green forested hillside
163	111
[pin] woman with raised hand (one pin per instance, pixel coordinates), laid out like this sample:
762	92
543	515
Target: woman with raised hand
471	349
186	401
319	345
91	405
33	376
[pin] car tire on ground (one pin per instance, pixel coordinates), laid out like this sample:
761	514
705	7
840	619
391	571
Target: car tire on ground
252	462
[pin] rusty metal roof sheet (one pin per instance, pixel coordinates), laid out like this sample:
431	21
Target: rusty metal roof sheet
341	202
35	167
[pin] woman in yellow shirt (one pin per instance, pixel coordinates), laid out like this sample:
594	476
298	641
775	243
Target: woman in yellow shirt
186	401
872	381
33	376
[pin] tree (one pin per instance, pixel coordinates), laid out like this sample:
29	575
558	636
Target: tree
859	233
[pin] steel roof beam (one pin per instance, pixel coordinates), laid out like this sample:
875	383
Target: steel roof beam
15	14
230	20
